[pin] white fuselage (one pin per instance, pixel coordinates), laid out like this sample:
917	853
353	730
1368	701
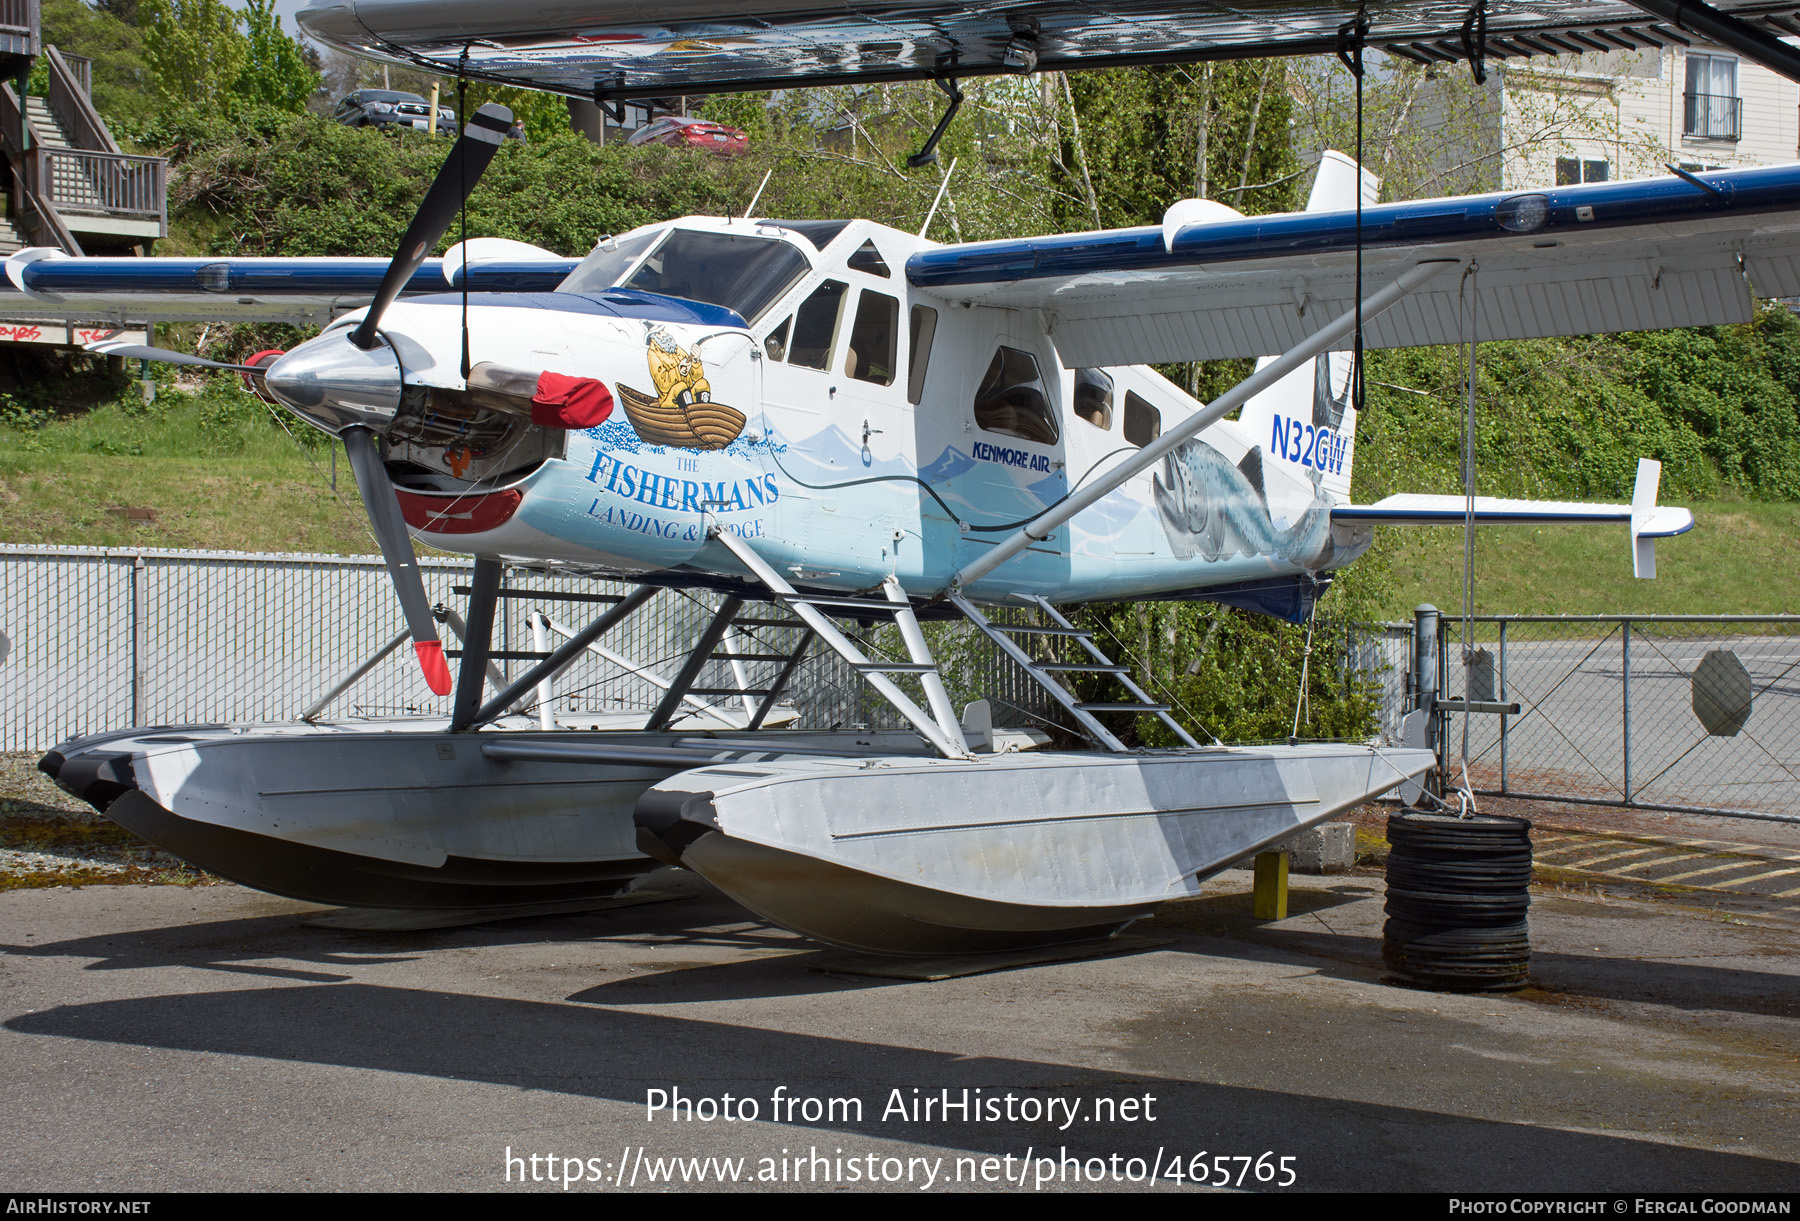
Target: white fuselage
860	428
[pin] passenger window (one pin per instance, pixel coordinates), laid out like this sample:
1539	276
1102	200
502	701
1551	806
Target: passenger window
1011	399
870	356
868	259
776	345
1094	397
1143	423
816	326
924	329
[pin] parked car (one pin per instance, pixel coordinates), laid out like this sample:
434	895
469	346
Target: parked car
678	131
391	108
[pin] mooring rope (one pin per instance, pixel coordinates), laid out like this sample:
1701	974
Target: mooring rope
1468	291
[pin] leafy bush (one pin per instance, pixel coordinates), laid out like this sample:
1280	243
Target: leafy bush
1716	406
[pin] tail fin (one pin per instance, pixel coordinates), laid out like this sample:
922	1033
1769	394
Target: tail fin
1304	423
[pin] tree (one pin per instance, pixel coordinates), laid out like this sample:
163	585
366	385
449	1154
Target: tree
193	50
116	48
277	70
1147	137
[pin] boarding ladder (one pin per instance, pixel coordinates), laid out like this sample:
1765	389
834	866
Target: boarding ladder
939	726
1044	672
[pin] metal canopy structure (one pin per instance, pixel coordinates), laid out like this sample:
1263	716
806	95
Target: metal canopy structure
608	51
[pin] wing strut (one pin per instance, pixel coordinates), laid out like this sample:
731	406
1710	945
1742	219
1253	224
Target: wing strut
1326	337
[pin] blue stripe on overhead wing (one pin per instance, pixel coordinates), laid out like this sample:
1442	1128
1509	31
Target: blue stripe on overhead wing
266	277
1421	222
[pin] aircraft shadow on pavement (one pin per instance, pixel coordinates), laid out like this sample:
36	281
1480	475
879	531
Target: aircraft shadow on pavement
247	944
610	1054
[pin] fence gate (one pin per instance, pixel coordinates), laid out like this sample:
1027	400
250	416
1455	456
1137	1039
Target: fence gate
1667	712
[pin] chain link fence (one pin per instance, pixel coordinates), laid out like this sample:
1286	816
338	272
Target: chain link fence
1660	712
94	639
1663	712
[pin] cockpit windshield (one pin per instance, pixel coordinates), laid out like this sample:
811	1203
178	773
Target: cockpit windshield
739	271
607	262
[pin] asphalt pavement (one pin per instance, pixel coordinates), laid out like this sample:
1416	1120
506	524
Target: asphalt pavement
196	1038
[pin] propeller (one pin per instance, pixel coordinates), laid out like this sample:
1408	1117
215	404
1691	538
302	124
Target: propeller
482	137
468	160
137	351
396	549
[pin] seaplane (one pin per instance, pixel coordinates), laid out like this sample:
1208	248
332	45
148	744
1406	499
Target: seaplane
833	420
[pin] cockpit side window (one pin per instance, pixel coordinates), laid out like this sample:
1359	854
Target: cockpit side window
868	259
1094	397
874	339
608	261
1011	399
816	325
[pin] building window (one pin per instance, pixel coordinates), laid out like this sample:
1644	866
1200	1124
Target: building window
1711	108
1571	171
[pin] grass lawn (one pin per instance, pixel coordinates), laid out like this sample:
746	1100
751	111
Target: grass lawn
216	469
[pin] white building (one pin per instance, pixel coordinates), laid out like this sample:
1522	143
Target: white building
1559	119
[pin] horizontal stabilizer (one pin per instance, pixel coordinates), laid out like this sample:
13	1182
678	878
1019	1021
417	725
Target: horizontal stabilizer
1647	520
1411	509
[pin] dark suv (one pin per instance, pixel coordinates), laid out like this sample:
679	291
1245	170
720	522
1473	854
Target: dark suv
392	108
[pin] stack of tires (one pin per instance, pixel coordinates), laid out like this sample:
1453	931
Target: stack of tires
1457	894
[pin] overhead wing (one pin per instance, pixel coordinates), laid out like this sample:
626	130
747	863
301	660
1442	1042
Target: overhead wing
47	283
617	49
1603	257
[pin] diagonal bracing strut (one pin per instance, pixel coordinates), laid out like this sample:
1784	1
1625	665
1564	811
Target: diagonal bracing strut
1319	341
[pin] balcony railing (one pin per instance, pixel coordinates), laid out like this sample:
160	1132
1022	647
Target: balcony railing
103	184
82	68
68	99
19	27
1711	116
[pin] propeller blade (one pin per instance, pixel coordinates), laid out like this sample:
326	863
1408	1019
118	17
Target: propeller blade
462	169
137	351
396	548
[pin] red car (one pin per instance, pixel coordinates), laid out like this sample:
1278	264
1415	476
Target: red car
679	132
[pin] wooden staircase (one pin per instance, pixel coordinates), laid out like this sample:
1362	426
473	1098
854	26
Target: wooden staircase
71	183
